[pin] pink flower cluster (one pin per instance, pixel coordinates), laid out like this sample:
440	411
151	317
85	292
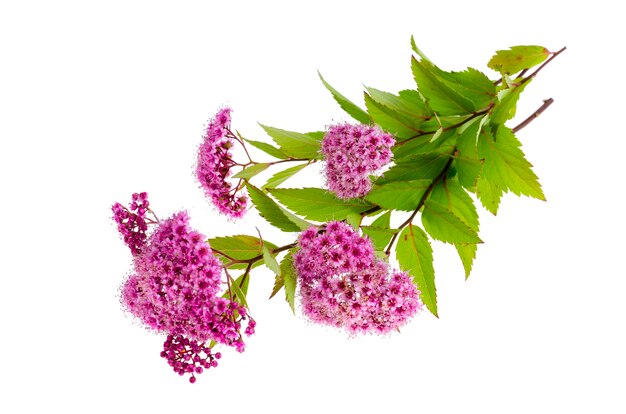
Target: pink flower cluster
187	356
214	164
131	223
176	288
352	152
343	284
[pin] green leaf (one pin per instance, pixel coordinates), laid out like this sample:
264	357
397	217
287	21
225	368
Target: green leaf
353	110
282	176
251	171
415	256
505	163
268	149
399	195
270	260
442	224
472	84
467	253
518	58
450	194
240	247
379	236
506	106
279	283
272	212
416	167
408	104
468	170
290	279
239	294
294	143
423	145
391	121
354	220
440	96
417	51
489	195
318	204
383	221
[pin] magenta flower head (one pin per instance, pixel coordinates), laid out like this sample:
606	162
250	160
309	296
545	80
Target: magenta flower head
177	289
132	222
352	153
214	166
343	284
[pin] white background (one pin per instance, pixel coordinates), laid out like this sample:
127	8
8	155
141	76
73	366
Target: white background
101	100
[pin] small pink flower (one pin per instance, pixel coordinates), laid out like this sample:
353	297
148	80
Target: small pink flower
214	165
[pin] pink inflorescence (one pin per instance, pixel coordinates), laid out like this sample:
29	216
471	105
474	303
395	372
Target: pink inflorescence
352	152
214	166
343	284
131	223
176	290
187	356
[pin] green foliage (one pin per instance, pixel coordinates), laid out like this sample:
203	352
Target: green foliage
353	110
416	167
505	164
443	97
318	204
290	279
295	144
268	149
251	171
489	195
282	176
415	255
240	247
270	260
399	195
467	253
273	213
379	232
506	106
444	225
518	58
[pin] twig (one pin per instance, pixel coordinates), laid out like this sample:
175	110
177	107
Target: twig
531	118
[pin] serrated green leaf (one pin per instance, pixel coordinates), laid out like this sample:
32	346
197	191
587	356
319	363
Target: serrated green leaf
442	224
505	163
354	220
467	139
468	170
318	204
451	195
268	149
399	195
294	143
238	293
423	145
506	106
279	283
440	96
467	253
489	195
351	109
472	84
251	170
379	236
290	279
383	221
282	176
415	255
272	212
408	104
389	120
239	247
270	260
518	58
417	167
